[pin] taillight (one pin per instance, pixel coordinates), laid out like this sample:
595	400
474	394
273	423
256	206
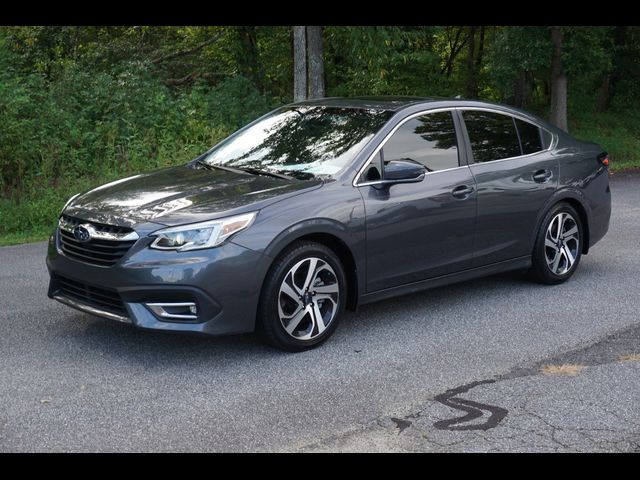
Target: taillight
603	159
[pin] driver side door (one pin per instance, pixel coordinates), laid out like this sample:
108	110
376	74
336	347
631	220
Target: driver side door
416	231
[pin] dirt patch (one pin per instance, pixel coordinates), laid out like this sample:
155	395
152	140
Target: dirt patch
633	357
568	369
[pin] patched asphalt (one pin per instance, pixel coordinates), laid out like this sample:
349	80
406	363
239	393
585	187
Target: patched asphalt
580	401
72	382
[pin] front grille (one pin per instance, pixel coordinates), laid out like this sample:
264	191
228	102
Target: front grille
97	251
96	297
99	227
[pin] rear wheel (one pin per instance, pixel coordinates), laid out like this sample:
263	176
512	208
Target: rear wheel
303	297
558	246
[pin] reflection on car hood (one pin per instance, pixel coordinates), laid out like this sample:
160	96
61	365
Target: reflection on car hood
178	195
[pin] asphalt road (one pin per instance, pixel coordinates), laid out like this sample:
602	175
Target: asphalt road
395	376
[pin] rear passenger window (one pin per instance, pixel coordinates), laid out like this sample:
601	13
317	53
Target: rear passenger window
492	135
530	137
429	140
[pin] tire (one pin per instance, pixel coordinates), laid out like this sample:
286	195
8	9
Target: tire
290	306
551	259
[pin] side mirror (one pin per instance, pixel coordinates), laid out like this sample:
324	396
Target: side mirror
403	171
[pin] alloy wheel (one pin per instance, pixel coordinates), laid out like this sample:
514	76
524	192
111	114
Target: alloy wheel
562	243
308	298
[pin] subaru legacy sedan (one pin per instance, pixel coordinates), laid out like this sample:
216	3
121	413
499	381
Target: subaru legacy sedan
325	205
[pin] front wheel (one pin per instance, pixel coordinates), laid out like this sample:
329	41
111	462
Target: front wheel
303	297
558	246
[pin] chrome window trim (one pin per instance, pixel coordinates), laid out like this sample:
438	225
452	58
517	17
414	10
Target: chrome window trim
386	139
554	137
552	144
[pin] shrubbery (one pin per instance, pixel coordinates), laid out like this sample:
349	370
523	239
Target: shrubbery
86	129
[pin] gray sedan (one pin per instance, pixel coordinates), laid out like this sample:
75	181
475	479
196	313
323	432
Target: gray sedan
325	205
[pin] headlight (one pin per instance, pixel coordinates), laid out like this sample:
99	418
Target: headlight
68	202
201	235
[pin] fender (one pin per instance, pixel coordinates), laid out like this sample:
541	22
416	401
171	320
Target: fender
353	239
563	193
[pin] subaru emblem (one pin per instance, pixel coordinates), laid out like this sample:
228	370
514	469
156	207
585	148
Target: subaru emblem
82	234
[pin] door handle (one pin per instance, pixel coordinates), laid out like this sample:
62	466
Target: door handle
542	176
462	191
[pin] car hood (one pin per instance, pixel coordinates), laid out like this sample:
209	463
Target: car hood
177	195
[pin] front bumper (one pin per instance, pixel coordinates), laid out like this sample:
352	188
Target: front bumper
224	282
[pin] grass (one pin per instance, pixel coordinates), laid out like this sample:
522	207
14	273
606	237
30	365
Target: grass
18	238
617	133
34	217
567	369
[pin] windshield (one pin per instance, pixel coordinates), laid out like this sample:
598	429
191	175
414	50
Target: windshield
301	141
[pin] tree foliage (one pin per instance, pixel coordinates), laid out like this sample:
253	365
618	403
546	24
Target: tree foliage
81	105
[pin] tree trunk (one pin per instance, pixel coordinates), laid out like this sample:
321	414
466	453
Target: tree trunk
558	82
480	49
456	47
299	64
248	61
316	62
523	88
472	87
519	89
616	73
602	100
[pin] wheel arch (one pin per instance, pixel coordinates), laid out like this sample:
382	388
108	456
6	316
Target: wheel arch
577	201
333	235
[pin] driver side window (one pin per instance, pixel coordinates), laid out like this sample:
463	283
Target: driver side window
429	140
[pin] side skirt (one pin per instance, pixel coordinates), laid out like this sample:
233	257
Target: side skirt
505	266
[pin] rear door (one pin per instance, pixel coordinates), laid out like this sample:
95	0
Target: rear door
515	173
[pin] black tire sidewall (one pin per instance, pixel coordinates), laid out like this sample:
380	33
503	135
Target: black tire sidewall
269	325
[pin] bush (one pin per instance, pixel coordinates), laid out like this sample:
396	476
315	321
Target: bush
617	132
83	129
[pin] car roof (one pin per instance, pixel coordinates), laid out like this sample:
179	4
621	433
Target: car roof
398	103
391	103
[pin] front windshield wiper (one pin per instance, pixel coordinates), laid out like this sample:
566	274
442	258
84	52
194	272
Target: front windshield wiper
218	167
250	170
257	171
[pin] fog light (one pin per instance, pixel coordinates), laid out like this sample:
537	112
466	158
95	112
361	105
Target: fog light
174	310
